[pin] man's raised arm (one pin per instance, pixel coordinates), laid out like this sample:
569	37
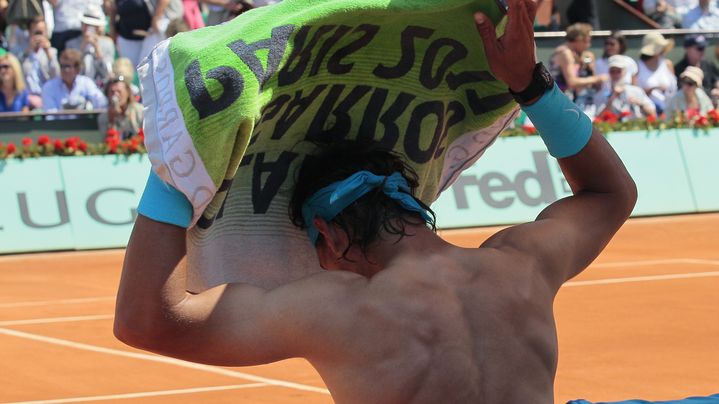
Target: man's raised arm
231	325
569	234
225	325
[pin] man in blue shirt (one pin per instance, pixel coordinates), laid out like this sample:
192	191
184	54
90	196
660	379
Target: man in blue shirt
72	90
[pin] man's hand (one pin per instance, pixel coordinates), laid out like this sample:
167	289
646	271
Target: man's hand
511	57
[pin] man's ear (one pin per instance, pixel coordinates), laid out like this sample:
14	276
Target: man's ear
333	237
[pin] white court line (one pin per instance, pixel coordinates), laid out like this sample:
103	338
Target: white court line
641	279
54	302
144	394
60	254
165	360
49	320
667	261
692	217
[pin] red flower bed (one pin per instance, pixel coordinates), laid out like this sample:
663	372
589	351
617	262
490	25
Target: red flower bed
74	146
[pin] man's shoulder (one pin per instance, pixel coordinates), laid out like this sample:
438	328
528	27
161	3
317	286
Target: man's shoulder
85	81
52	84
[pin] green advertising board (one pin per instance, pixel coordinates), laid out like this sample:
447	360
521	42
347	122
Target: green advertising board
34	205
64	203
516	179
55	203
103	193
655	161
512	182
701	152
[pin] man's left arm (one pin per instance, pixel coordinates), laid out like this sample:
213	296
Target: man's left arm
95	95
228	325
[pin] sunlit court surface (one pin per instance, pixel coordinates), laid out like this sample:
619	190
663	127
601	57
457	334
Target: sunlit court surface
641	322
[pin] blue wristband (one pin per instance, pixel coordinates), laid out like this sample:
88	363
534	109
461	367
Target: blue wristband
564	128
163	203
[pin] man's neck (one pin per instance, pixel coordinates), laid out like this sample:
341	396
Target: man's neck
69	85
420	241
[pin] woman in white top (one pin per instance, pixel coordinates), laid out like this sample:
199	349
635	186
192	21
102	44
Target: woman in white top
656	73
616	44
691	101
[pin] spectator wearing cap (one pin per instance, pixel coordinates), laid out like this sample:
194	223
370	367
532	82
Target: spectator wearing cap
13	94
656	73
616	45
705	16
68	17
123	114
98	50
72	90
691	100
694	47
624	99
39	61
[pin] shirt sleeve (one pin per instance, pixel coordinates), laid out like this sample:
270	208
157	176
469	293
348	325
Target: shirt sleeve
96	97
49	98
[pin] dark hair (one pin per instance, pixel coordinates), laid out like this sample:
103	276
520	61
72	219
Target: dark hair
363	220
34	21
621	40
72	55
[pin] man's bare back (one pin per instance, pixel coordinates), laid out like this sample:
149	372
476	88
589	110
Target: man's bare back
434	329
399	315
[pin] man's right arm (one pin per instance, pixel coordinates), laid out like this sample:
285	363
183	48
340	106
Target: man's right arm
569	234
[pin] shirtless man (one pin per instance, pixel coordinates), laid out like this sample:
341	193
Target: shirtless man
400	315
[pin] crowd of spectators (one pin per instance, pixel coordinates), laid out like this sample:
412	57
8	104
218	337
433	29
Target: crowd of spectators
71	55
81	55
687	14
650	86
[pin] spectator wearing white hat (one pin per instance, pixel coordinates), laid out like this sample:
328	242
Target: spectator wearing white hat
68	14
624	99
616	44
656	73
694	47
704	16
691	100
98	50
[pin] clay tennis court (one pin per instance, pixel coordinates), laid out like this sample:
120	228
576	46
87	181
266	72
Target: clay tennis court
641	322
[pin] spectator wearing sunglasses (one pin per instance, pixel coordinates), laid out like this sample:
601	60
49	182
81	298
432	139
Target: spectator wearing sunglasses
691	100
694	49
123	114
72	90
13	94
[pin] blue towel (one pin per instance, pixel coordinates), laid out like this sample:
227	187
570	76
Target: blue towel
714	399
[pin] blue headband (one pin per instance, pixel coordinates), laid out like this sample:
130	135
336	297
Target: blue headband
329	201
